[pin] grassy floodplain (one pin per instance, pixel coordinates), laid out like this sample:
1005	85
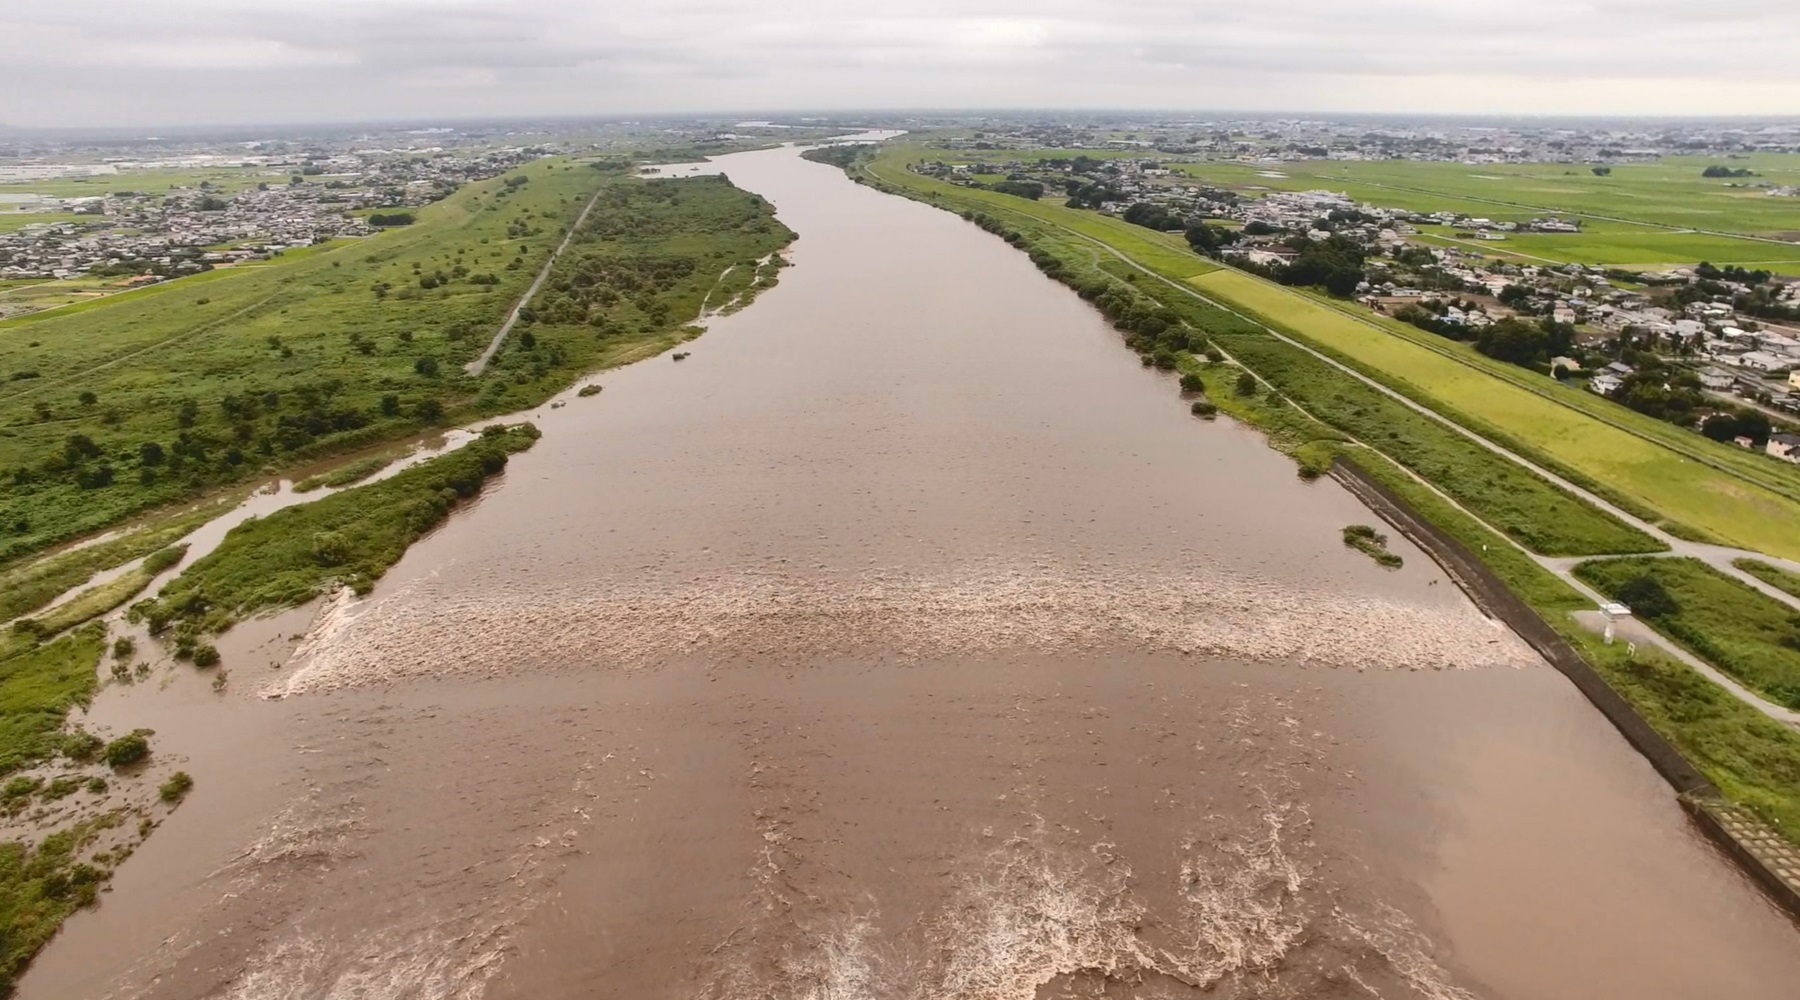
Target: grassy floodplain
1754	760
136	402
1774	576
1748	635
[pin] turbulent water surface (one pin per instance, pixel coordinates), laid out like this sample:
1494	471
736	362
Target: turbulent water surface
908	640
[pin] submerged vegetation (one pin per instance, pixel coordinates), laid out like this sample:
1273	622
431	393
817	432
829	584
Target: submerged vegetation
355	472
38	688
1371	543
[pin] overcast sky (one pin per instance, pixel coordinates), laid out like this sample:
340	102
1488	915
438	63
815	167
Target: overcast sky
171	62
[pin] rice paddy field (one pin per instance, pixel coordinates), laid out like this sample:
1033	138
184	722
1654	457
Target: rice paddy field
1648	474
226	179
1640	216
1670	192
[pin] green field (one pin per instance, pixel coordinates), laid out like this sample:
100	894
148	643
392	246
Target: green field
1628	246
1752	637
1644	472
224	179
236	373
1671	192
15	221
1642	216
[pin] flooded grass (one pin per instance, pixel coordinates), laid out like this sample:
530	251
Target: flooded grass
37	689
355	472
348	538
30	585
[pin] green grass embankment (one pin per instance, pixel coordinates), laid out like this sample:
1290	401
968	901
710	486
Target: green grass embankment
1750	636
349	538
1774	576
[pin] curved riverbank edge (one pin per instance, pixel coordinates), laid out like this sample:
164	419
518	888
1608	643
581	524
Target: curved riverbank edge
1744	837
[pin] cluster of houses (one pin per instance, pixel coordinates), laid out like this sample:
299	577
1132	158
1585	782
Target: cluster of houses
1302	138
311	199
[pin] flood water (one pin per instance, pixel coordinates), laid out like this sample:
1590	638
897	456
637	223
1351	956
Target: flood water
908	640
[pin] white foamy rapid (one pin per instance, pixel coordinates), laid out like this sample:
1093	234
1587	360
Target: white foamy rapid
433	628
1254	913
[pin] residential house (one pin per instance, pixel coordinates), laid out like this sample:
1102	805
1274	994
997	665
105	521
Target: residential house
1785	447
1605	383
1763	361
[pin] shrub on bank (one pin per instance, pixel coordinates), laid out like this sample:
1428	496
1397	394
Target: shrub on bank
128	749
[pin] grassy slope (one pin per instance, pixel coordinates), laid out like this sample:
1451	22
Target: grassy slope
1752	759
1774	576
1748	635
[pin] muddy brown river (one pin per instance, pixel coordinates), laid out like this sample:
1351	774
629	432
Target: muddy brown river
909	640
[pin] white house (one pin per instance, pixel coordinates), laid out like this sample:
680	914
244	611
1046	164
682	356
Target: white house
1785	447
1763	361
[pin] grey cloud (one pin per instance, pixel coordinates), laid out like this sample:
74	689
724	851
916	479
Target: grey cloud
243	60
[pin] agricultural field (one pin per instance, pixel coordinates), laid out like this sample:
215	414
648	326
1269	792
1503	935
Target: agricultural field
133	402
14	221
1645	473
224	179
1628	246
1640	216
1669	193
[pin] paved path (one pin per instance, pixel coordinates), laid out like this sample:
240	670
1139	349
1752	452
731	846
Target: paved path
1718	556
480	364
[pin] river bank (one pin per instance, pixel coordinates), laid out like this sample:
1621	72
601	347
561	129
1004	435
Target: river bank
845	657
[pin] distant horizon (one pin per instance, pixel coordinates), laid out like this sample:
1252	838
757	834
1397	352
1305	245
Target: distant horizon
153	130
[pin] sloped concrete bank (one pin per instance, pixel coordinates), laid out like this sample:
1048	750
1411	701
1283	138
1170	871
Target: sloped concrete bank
1760	851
